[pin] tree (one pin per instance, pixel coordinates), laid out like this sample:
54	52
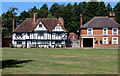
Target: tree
117	12
102	11
32	11
44	7
109	9
54	8
43	11
72	26
50	16
91	10
7	20
23	16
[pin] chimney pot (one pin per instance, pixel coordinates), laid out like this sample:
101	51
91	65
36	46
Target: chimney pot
112	16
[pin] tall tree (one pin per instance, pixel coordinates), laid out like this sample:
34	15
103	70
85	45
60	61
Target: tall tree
54	8
23	16
43	11
50	16
91	10
7	20
102	11
117	12
109	9
32	10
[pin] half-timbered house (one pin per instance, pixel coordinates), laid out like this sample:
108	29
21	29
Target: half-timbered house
40	32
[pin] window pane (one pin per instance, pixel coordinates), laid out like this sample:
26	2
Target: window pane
105	38
115	30
40	25
114	42
105	29
114	38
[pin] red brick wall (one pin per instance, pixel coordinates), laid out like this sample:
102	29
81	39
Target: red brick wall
98	35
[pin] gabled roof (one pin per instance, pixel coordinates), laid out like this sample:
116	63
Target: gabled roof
28	25
101	22
71	36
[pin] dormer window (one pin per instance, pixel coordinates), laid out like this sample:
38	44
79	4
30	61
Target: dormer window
89	31
115	31
40	25
58	27
105	31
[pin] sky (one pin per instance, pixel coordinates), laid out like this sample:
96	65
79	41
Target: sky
27	5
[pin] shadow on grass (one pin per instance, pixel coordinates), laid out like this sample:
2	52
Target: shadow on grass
12	63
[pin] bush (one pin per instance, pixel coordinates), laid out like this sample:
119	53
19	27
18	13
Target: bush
96	42
11	46
101	41
110	42
42	46
63	46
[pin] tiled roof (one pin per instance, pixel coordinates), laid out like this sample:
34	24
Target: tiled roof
101	22
71	36
28	25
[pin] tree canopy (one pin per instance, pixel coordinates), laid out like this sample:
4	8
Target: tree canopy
69	12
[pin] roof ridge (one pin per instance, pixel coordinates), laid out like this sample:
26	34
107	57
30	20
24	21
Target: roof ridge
100	17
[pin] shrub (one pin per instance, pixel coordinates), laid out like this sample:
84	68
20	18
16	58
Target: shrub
110	42
42	46
101	41
96	42
11	45
63	46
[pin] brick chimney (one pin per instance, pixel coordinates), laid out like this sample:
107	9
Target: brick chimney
61	20
80	19
13	23
112	16
34	17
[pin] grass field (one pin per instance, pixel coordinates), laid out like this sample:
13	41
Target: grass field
59	61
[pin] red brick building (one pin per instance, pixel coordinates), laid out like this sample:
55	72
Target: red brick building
100	32
74	39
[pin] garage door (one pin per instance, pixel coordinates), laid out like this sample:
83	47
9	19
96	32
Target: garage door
87	42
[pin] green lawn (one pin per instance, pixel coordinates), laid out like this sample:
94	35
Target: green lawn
59	61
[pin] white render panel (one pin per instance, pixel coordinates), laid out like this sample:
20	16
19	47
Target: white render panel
40	28
58	28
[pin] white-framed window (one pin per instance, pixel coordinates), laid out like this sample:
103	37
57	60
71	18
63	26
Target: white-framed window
40	25
115	31
19	42
105	31
114	40
105	40
90	31
58	27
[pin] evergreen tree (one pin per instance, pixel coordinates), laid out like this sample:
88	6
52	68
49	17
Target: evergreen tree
101	9
23	16
43	11
91	10
109	9
117	12
54	8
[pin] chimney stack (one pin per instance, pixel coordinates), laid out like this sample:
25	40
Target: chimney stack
34	17
13	23
80	19
112	16
61	20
